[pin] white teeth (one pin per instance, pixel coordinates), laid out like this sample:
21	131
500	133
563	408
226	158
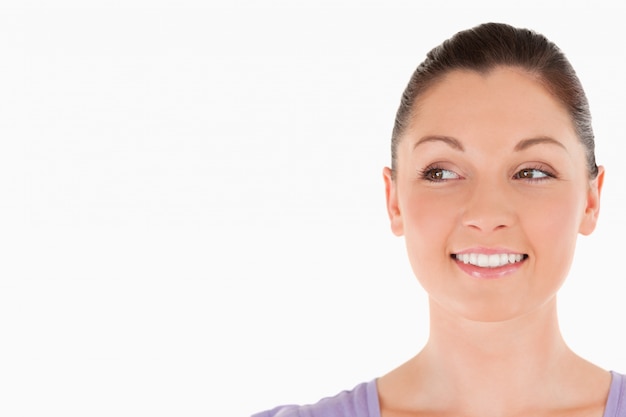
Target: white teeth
489	261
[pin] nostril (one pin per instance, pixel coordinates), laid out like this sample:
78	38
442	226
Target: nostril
486	227
488	219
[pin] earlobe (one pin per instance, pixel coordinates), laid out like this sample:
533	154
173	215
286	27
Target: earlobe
592	209
393	209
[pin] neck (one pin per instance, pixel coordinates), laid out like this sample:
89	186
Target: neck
493	368
495	357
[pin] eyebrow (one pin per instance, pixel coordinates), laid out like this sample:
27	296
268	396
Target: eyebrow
526	143
522	145
452	142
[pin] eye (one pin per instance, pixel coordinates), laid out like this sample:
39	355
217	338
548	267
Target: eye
533	174
436	174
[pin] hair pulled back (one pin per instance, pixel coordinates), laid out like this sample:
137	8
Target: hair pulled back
487	46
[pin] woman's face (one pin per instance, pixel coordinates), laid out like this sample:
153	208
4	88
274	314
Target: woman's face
490	193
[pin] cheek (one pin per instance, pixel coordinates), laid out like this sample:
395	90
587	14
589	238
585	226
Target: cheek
428	222
430	214
554	216
552	229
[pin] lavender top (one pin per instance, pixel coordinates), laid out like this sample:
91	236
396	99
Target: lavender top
362	401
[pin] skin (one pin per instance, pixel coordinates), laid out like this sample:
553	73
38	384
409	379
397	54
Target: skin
492	162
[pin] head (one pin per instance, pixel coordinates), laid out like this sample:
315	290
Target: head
493	174
490	45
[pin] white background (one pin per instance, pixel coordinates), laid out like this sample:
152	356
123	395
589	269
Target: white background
192	203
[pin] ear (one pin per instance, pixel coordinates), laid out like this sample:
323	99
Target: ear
592	210
391	193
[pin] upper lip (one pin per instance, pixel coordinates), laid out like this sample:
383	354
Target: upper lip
488	251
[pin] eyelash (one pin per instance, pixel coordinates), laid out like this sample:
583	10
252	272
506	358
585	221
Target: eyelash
548	174
425	173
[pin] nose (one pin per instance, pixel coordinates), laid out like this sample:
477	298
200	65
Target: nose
488	207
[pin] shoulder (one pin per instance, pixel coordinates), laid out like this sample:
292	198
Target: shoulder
616	402
361	401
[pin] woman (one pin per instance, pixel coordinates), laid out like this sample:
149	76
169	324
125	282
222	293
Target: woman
493	176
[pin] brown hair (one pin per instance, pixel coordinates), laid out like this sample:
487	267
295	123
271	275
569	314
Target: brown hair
494	44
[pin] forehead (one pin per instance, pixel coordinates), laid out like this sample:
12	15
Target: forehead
505	102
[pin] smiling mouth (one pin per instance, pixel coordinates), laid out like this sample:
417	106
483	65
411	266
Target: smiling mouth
489	261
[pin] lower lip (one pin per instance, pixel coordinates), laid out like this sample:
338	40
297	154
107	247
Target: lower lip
490	273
